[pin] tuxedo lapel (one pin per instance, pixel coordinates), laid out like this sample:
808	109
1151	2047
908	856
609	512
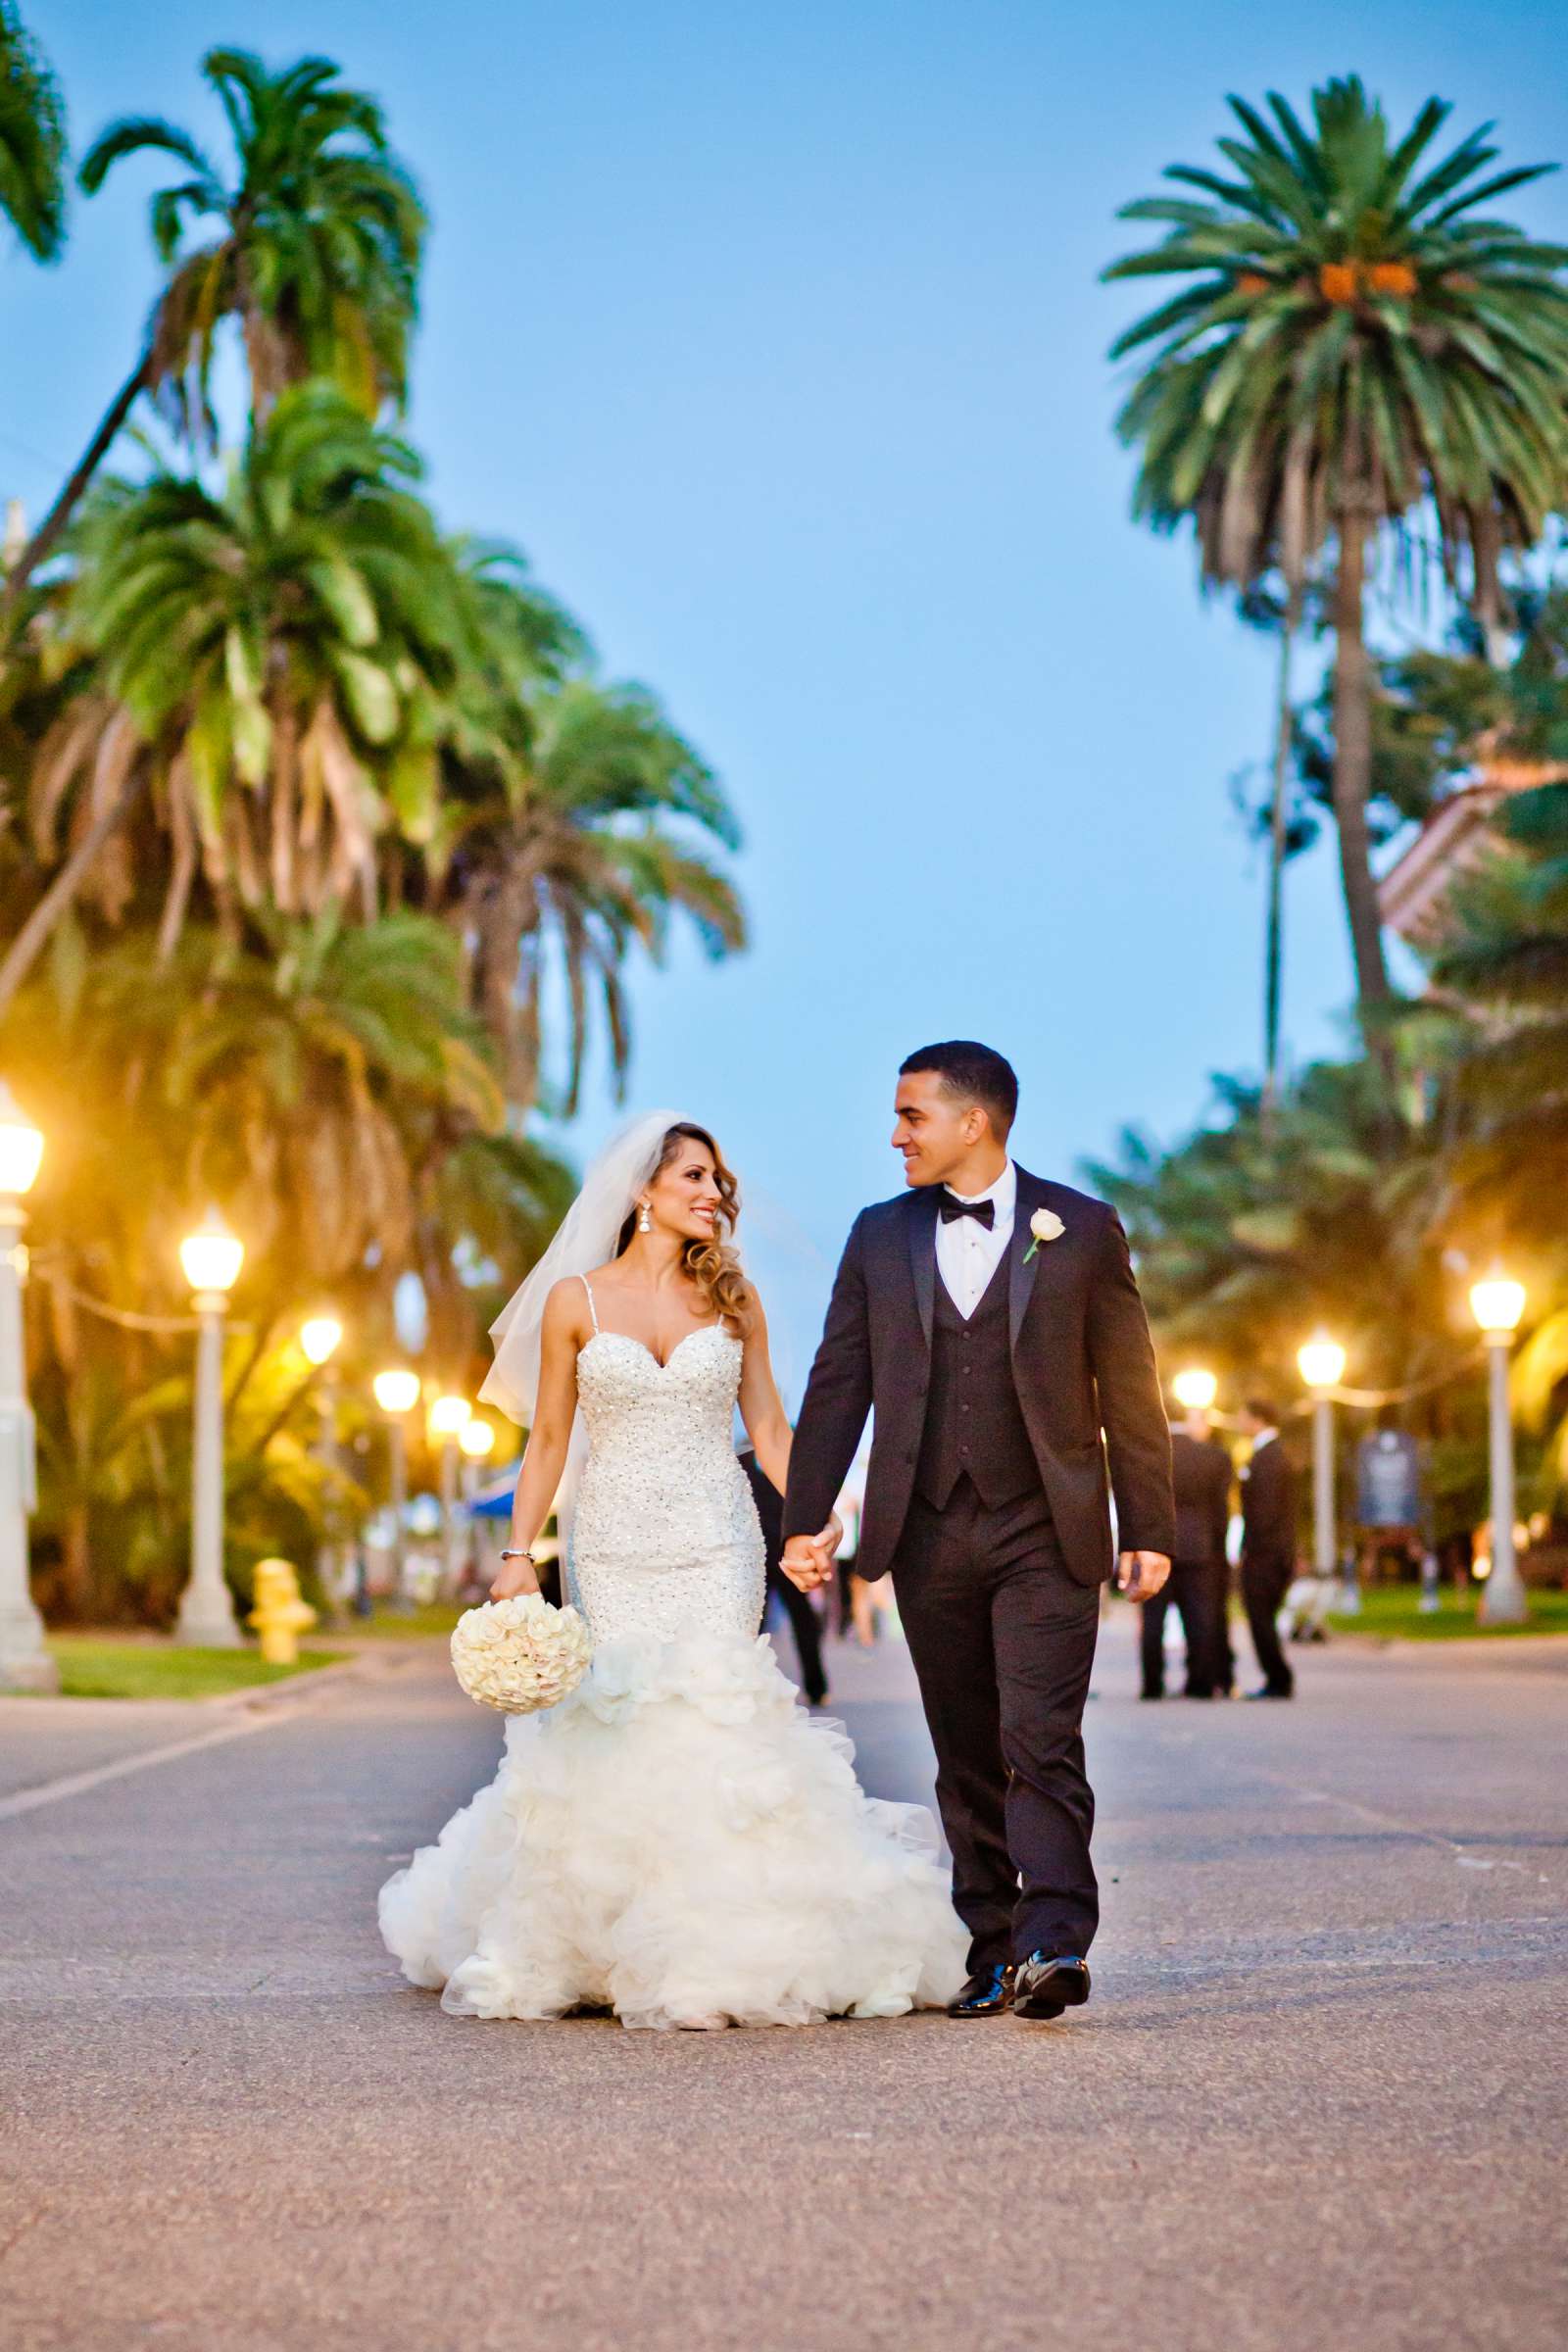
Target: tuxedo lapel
1021	1276
923	1254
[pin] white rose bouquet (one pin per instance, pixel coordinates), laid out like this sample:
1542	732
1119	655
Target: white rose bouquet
520	1654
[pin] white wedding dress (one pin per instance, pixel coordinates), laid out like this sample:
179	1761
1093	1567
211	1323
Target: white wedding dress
678	1841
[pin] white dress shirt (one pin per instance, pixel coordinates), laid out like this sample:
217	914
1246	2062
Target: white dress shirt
968	1253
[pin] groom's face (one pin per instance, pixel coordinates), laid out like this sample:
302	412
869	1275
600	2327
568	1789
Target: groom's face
933	1130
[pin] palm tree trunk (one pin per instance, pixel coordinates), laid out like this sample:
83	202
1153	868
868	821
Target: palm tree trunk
35	934
45	538
1352	778
1274	946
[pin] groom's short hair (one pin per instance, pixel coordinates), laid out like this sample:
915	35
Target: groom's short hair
975	1073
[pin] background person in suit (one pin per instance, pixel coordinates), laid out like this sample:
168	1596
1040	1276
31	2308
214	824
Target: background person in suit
1268	1542
797	1605
1202	1471
992	1320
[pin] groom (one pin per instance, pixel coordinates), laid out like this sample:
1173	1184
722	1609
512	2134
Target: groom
992	1319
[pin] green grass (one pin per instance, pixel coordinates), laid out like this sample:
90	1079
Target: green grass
98	1666
438	1617
1392	1611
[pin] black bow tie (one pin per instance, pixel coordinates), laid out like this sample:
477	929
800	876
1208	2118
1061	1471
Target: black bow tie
984	1212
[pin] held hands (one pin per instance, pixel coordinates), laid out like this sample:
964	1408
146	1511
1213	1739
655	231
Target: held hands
808	1560
1140	1574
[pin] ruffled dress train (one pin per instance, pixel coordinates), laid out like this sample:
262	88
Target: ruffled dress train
678	1842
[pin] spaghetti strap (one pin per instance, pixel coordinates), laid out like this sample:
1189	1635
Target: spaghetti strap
592	1309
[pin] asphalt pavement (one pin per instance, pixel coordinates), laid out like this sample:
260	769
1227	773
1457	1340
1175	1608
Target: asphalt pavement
1318	2099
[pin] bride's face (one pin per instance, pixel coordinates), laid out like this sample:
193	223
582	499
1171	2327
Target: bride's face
684	1197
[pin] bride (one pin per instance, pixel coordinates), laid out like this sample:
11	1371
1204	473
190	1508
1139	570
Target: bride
678	1841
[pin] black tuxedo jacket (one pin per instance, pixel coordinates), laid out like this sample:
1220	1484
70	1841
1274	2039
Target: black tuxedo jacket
1202	1474
1082	1363
1268	1506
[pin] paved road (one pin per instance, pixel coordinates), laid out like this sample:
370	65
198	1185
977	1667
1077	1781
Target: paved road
1318	2099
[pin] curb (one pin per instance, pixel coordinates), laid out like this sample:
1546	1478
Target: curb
297	1687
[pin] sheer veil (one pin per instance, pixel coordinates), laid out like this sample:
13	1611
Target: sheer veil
585	1238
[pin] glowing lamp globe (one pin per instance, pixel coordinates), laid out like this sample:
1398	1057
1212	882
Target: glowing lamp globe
20	1146
1195	1390
478	1440
1322	1362
450	1416
212	1257
1498	1304
320	1337
396	1392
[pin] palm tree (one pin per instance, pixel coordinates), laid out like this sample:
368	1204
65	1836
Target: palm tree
316	235
580	834
1251	1229
1502	970
1360	343
258	656
33	141
329	1084
574	821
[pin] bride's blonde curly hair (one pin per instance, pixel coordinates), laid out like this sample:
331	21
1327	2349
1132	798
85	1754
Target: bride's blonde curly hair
713	1265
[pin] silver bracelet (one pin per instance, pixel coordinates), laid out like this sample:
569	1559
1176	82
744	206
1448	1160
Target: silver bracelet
520	1555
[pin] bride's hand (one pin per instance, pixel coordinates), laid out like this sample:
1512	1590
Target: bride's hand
514	1577
805	1561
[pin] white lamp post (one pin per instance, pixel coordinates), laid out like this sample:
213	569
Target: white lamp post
24	1662
320	1337
478	1440
212	1257
1497	1304
448	1418
396	1393
1322	1367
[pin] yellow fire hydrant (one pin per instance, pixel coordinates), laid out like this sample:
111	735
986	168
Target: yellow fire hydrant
279	1615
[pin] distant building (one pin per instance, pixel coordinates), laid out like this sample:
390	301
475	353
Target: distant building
1413	895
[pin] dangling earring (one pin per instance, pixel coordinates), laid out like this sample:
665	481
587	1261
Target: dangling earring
645	1223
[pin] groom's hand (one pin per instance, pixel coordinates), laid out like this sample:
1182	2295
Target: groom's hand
1140	1574
808	1560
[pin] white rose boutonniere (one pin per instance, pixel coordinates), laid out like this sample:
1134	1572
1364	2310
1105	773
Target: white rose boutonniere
1046	1226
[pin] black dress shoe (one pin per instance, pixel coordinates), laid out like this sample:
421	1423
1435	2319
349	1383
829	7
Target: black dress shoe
1043	1986
988	1993
1268	1692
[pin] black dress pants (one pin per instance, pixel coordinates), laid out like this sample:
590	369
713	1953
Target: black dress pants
1190	1588
1220	1603
1002	1640
807	1631
1264	1585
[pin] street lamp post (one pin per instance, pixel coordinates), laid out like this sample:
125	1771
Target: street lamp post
478	1440
24	1662
211	1257
320	1337
1497	1304
396	1393
448	1418
1322	1367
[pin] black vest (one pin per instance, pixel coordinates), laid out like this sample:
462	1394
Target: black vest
974	1421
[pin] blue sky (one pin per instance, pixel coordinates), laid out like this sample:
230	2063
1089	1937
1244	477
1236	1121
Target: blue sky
772	332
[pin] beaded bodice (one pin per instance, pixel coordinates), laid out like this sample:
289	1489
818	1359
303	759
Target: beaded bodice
665	1539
